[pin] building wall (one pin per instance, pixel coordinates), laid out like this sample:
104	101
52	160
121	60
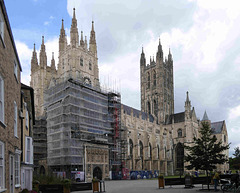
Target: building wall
12	91
27	125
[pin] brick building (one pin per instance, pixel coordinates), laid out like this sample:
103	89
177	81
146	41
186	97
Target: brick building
10	105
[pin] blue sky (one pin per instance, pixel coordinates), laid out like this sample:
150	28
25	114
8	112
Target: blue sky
203	35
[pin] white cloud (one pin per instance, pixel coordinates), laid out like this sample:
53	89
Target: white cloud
234	113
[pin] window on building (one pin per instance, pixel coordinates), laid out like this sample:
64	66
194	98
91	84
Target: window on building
16	69
1	25
130	147
158	151
225	138
179	132
28	150
17	169
90	66
81	62
1	99
148	80
15	120
27	116
155	108
141	149
149	151
149	107
154	78
2	164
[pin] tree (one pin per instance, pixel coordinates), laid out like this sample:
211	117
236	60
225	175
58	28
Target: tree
205	152
235	162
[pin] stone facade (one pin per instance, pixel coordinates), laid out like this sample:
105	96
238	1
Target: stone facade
10	108
156	135
152	139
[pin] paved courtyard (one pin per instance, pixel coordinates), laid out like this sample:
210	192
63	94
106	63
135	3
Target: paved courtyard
142	186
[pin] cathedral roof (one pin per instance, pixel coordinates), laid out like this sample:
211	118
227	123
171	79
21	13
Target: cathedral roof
136	113
217	127
178	118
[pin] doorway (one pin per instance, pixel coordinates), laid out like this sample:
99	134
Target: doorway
97	172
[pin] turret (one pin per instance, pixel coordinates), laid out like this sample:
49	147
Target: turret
170	56
160	51
34	61
187	104
62	39
85	43
92	42
74	38
81	41
53	62
142	59
43	55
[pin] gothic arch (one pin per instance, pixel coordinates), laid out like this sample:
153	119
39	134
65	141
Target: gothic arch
179	152
141	152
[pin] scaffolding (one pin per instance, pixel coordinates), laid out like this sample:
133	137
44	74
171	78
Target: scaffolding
79	114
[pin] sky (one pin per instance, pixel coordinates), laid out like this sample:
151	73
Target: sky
203	35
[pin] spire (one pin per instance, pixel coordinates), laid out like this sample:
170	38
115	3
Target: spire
43	55
53	62
92	42
160	51
142	59
34	61
169	55
187	103
74	15
81	41
205	117
62	38
74	38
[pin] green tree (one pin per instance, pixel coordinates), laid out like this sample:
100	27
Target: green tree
205	152
234	163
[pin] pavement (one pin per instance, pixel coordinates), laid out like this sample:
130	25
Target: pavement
144	186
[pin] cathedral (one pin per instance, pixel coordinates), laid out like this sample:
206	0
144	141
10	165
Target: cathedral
89	130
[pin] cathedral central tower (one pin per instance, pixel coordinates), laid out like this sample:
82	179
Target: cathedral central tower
157	94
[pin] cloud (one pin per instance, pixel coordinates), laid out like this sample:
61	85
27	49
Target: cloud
234	113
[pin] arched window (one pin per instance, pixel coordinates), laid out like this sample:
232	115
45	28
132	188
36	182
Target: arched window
81	61
149	107
141	149
155	108
148	80
130	147
90	66
179	132
154	78
149	151
158	151
179	156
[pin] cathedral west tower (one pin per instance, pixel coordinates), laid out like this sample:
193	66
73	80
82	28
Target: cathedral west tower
157	94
